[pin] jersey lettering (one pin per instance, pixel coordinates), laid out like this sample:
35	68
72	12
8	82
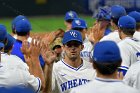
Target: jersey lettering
73	83
85	54
73	34
138	56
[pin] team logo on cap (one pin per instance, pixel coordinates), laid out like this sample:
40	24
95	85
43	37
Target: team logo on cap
77	22
73	34
70	14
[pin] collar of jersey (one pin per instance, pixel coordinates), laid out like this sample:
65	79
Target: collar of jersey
4	53
76	69
107	80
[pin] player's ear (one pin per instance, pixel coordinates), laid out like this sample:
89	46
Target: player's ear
82	47
63	47
65	22
93	64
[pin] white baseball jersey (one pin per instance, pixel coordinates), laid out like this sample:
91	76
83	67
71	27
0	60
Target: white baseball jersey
132	77
86	53
66	77
136	35
113	36
13	72
130	51
104	86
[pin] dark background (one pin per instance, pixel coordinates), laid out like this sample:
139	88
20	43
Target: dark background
58	7
49	7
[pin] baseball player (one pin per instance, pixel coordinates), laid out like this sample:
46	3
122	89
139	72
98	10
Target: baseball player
129	46
106	60
116	12
14	72
81	26
23	28
71	71
136	16
104	18
132	77
16	19
69	17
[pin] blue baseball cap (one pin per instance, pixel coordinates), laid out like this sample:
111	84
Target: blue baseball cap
3	35
70	15
11	40
127	22
79	23
72	35
23	25
103	14
135	15
106	52
17	18
117	11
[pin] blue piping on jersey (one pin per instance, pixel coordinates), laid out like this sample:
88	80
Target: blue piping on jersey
38	86
71	66
123	67
107	80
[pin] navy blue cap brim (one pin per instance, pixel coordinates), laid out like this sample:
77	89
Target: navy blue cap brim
83	27
72	40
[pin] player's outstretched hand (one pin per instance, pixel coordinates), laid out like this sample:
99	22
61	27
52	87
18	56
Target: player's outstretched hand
35	47
49	38
90	35
48	55
59	33
25	48
98	32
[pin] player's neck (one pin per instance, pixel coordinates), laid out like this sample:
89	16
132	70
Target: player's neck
74	63
112	76
22	38
123	36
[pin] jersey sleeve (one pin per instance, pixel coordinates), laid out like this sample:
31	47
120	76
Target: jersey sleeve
132	77
125	54
128	79
32	81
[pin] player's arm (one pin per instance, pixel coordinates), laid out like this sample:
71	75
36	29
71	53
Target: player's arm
32	58
125	54
96	32
49	58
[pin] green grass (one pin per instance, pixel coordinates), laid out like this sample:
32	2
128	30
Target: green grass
45	23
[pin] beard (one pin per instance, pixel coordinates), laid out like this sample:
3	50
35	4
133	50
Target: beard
72	57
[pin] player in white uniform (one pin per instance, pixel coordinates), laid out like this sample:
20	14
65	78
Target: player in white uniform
107	59
129	46
132	77
14	72
71	71
136	16
116	12
81	26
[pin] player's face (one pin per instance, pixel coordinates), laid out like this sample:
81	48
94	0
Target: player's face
72	49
